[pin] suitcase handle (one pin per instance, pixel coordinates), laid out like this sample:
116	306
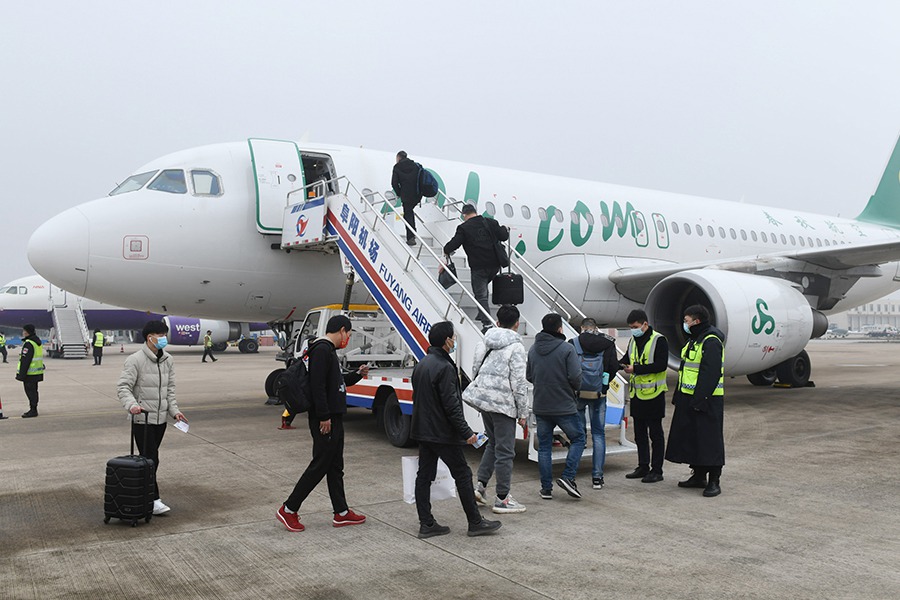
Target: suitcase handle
143	412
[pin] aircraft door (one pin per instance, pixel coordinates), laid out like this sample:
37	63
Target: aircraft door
639	227
277	171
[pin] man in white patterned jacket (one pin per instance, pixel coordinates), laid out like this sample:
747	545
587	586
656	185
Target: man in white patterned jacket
498	391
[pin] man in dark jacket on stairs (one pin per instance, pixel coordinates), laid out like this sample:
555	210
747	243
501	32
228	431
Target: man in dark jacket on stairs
478	236
405	182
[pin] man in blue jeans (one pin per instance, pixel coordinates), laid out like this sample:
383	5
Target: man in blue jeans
599	363
555	370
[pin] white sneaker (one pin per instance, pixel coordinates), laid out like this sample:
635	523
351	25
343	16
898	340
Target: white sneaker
480	496
508	505
159	508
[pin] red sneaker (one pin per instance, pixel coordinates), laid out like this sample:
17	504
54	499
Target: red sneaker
351	518
290	520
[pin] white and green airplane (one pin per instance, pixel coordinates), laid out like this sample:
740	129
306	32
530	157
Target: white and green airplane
197	232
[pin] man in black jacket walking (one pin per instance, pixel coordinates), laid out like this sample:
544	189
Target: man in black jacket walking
405	182
441	430
479	236
328	395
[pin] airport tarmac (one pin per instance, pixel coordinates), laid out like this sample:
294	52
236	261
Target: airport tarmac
810	505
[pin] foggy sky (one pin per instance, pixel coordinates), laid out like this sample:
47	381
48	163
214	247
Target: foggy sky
783	104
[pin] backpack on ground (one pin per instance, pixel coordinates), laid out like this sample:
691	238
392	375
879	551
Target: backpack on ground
591	369
292	386
426	184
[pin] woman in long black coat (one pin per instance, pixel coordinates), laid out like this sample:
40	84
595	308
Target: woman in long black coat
695	436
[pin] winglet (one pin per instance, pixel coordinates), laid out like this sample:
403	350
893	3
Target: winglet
884	206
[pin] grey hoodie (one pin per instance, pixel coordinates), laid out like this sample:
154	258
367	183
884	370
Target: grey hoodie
555	370
499	384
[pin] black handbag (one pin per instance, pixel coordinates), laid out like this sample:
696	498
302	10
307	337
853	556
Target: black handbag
444	277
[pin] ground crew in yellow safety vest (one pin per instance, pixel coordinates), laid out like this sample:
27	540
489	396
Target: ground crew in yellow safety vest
207	346
98	347
696	437
3	347
646	360
31	367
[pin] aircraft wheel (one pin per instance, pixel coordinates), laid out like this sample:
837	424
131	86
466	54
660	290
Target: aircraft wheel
270	382
396	424
795	371
220	347
763	378
251	346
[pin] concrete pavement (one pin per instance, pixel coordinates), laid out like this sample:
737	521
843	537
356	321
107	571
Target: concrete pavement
809	506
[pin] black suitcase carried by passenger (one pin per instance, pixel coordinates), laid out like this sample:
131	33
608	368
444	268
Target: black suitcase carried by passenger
130	481
507	288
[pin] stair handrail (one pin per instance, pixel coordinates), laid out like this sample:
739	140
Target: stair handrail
370	204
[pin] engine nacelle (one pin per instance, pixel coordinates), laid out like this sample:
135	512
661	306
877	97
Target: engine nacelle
184	331
765	320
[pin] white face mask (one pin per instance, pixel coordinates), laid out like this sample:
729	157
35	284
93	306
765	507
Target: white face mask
637	332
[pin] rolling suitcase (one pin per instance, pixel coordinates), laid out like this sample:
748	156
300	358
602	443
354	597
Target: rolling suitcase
130	481
507	288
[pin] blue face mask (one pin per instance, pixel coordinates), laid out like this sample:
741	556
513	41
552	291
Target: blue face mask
162	342
637	332
687	328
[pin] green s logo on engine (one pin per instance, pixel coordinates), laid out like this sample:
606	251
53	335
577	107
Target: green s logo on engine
762	321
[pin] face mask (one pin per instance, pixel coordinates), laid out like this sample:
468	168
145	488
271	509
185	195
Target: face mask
687	328
161	342
637	332
344	342
452	346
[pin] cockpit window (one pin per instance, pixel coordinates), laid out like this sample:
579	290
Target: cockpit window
170	180
11	290
206	183
23	290
3	290
135	182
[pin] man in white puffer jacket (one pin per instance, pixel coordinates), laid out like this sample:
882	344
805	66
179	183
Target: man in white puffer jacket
499	392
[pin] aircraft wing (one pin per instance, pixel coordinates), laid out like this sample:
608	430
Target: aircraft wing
848	263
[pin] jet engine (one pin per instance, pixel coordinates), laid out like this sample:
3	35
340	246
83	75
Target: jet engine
184	331
765	320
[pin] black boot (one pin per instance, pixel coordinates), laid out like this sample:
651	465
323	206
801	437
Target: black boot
713	489
31	413
697	480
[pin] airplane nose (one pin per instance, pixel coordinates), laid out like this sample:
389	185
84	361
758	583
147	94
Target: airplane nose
60	250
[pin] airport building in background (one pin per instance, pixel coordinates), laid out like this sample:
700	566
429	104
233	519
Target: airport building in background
882	312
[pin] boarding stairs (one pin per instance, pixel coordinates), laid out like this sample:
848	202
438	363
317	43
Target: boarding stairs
403	279
70	337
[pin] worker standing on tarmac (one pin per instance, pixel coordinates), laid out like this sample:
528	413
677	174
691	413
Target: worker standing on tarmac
31	368
695	436
98	347
645	361
207	346
3	347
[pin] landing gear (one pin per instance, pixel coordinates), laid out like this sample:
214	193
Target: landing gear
220	347
795	371
763	378
248	346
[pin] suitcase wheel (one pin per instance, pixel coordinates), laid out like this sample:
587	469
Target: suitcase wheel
106	519
134	523
147	519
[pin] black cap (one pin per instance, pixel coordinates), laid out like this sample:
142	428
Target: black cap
468	209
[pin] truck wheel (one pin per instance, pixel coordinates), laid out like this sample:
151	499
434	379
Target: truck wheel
795	371
396	424
763	378
270	382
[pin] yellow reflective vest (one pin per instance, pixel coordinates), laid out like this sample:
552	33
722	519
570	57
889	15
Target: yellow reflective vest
37	361
98	340
648	385
207	341
691	355
2	340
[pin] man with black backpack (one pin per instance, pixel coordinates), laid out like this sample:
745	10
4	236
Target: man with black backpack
480	237
327	393
405	182
599	364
